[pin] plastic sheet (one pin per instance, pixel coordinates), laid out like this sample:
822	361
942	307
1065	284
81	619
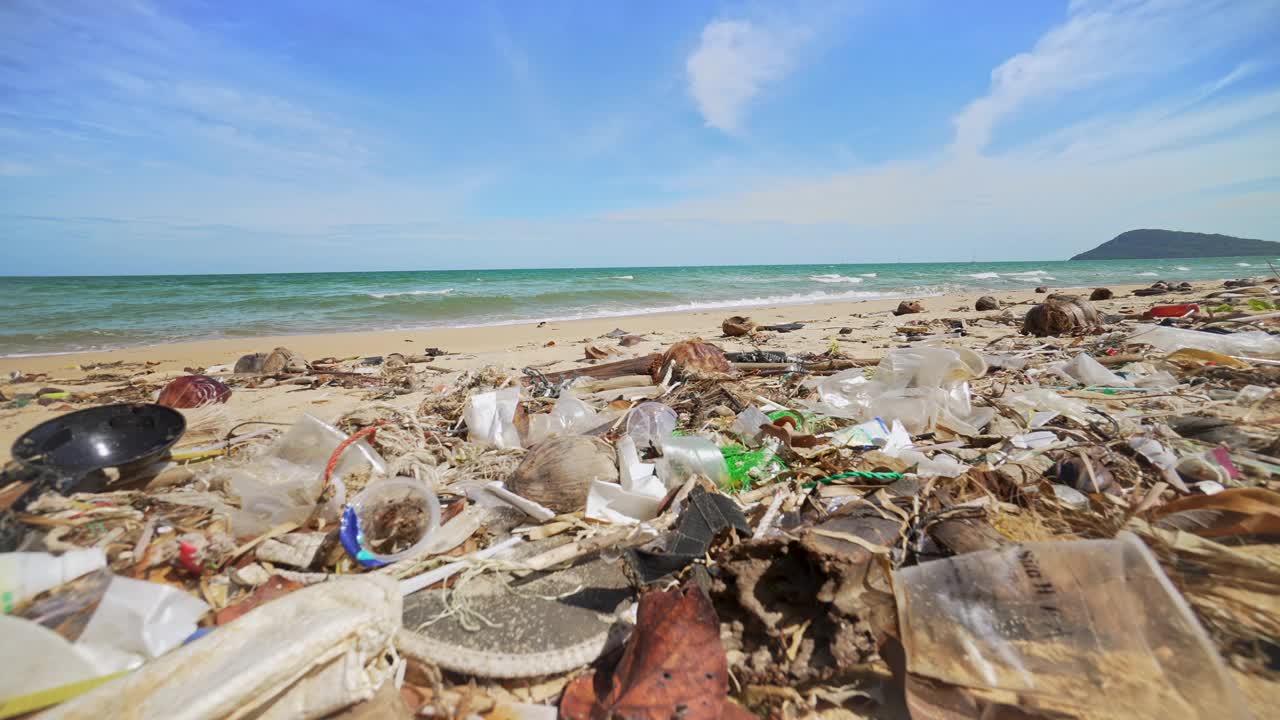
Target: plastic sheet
1086	627
1161	457
1040	400
1254	343
1087	371
747	425
924	388
1146	375
137	621
636	496
24	575
1251	394
305	655
36	658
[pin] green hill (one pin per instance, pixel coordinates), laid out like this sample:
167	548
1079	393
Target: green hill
1144	244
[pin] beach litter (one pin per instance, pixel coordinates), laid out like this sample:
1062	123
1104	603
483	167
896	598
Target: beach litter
1076	520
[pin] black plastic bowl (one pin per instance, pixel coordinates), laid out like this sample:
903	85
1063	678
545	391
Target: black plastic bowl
102	437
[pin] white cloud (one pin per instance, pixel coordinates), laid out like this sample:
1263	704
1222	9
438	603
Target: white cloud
1106	41
734	62
1149	158
1168	163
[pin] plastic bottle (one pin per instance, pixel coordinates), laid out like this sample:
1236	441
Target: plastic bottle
23	575
684	457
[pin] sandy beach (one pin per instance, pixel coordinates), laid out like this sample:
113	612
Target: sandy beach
552	346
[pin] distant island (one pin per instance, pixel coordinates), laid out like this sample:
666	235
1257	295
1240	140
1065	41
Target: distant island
1150	244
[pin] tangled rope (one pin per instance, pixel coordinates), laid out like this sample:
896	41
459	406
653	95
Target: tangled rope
541	386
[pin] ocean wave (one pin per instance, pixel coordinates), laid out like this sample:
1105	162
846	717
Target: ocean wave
1182	268
868	274
1243	265
1029	273
622	277
984	276
1147	274
445	291
832	279
763	301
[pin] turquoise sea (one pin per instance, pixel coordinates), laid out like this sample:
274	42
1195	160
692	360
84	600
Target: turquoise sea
64	314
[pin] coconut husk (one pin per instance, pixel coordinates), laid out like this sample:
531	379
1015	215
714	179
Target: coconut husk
737	326
986	302
1061	315
193	391
1042	289
909	307
558	472
250	364
284	360
691	359
1101	294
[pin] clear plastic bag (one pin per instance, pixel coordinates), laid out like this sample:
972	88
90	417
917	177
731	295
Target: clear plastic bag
1254	343
1040	400
921	387
570	416
285	483
490	418
1087	371
747	425
1086	627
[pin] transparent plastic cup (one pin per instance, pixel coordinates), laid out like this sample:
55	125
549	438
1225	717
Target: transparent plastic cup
396	519
649	424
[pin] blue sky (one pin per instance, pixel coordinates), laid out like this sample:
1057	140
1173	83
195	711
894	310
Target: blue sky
230	136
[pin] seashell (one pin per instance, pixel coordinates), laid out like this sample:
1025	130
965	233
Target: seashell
1061	315
737	326
193	391
692	358
558	472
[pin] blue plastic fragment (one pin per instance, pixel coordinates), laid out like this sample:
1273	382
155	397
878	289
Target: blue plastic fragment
352	539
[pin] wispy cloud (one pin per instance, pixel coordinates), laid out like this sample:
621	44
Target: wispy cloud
1145	161
1105	41
735	61
134	80
15	169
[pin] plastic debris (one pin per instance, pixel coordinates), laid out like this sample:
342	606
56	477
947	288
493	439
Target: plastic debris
947	482
1087	628
490	418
